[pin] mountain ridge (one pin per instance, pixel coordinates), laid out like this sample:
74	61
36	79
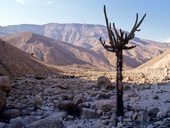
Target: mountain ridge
87	36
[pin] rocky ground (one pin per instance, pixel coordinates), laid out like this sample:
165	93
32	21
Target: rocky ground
83	99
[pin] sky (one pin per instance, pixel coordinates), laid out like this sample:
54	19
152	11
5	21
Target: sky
156	25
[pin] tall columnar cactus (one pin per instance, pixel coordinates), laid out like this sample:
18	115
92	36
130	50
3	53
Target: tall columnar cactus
118	41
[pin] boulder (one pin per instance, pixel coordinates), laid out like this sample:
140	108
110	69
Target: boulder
156	97
5	85
10	113
88	113
166	122
127	79
141	75
142	116
78	99
153	112
47	122
104	81
105	105
112	122
2	101
161	115
71	108
103	95
134	116
37	102
22	121
128	114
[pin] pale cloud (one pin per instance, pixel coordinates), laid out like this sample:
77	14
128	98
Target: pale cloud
21	1
167	40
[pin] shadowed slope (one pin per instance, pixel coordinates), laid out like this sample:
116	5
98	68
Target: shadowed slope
14	62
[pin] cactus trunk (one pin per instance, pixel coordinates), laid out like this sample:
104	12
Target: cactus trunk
119	85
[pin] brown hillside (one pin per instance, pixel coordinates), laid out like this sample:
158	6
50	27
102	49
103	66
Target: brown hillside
55	52
161	61
14	62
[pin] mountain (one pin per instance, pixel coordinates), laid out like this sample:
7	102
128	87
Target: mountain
160	62
14	62
156	69
87	36
83	35
55	52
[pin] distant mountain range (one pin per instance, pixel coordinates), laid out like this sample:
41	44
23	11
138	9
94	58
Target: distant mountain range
76	44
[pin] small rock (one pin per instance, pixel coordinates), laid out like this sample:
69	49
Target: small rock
129	107
106	121
128	114
112	122
2	125
5	85
11	113
138	108
168	112
146	87
158	123
141	75
85	104
150	126
78	99
47	122
71	108
23	120
127	87
166	122
37	102
103	96
161	115
134	94
142	116
127	79
49	92
105	105
99	111
153	112
156	97
165	78
134	115
104	81
88	113
167	101
70	117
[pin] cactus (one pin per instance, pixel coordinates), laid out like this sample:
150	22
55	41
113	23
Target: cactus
118	41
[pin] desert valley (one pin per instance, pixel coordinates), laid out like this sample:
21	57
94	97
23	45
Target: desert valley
60	76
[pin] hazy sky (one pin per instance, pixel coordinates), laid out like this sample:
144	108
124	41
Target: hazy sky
156	25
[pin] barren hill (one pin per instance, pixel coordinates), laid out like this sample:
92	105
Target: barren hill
159	62
55	52
14	62
157	69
